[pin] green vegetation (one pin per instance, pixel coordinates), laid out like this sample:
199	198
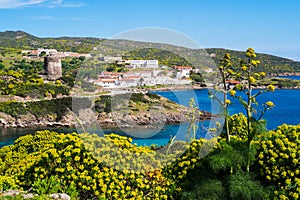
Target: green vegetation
17	83
82	166
164	57
57	107
247	162
24	78
15	41
271	64
135	103
21	40
279	82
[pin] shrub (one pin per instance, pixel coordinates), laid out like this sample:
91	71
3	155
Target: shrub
243	187
278	160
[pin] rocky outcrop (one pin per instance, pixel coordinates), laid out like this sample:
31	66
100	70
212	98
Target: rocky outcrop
142	110
147	119
28	120
23	120
26	195
7	121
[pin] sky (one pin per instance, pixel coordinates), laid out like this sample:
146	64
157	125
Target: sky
268	26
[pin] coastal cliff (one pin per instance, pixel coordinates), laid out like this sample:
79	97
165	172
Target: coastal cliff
126	110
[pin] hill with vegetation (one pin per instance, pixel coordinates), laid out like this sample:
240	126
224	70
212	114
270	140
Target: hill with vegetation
18	40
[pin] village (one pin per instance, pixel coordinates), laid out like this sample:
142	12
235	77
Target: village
139	73
143	73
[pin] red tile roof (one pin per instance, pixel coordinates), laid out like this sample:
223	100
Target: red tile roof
183	67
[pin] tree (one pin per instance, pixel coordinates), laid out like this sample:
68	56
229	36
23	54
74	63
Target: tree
82	58
42	54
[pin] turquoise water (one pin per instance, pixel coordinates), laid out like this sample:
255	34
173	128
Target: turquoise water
286	110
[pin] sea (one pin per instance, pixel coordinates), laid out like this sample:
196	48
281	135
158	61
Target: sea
285	111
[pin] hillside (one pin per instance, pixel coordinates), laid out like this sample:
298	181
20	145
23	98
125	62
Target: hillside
18	40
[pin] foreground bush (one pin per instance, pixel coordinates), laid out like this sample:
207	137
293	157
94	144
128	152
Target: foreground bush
87	166
62	163
278	160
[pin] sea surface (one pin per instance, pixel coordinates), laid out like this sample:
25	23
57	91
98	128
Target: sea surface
286	110
290	77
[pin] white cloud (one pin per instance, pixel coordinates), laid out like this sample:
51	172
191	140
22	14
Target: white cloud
6	4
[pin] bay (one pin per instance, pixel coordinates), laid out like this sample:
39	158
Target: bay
286	110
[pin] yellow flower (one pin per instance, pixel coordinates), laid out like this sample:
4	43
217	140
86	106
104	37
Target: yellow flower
263	74
232	92
230	71
244	67
67	153
295	195
228	101
270	104
250	53
227	56
271	88
254	63
252	79
77	158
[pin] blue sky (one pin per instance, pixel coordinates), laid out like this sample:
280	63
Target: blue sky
269	26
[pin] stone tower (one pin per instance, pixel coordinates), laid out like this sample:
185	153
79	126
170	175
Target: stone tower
53	67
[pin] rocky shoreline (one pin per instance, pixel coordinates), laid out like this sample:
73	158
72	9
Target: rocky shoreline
159	111
105	120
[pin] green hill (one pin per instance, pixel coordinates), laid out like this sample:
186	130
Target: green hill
19	40
23	41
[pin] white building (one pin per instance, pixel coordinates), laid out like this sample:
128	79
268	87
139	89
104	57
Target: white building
140	73
183	71
107	83
110	58
164	81
144	63
125	83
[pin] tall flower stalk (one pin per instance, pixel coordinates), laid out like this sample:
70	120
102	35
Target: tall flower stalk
226	72
249	78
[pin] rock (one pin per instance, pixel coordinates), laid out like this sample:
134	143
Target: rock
26	120
29	196
14	193
11	193
6	120
59	196
68	119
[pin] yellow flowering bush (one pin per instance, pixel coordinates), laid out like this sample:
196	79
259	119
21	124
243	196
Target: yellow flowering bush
278	159
65	156
188	161
238	125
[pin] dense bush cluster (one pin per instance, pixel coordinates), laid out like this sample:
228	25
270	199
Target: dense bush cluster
37	108
47	156
19	83
111	167
278	158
